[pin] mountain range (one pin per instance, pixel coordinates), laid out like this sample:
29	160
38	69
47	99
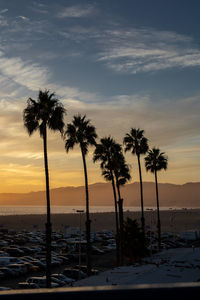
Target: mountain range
170	195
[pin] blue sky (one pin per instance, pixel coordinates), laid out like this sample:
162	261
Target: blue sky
122	63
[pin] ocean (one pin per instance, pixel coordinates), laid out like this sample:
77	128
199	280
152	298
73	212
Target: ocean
37	210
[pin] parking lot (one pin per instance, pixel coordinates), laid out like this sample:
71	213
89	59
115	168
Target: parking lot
22	256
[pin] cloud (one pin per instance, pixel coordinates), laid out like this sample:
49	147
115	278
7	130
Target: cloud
27	74
165	123
132	50
144	50
3	11
23	18
16	73
77	11
39	7
3	21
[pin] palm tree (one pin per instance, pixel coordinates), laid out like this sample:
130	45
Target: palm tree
154	162
104	153
122	175
81	132
45	112
137	144
114	169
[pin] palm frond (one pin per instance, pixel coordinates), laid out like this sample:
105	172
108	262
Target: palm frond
156	160
81	132
136	142
45	111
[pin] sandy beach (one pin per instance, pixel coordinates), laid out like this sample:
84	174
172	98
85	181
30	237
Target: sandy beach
171	220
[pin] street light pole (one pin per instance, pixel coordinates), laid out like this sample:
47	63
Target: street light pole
80	211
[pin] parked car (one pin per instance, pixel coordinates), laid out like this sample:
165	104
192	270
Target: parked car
26	285
27	250
8	273
84	269
74	273
4	288
64	278
40	281
64	259
20	268
58	281
6	260
3	253
15	251
38	263
31	267
97	251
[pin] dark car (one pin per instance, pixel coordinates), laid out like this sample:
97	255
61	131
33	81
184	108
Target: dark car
74	273
15	252
8	273
62	277
97	251
84	269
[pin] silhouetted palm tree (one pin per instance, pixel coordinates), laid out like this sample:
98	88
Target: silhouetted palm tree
104	153
122	176
45	112
81	132
154	162
137	144
114	169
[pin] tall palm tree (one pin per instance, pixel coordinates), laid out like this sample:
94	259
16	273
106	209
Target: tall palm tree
104	153
122	176
114	169
154	162
81	132
45	112
137	144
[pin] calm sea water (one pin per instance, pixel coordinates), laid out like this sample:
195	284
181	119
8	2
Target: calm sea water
32	210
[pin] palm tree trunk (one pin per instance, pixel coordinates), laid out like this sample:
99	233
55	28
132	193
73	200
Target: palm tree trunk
48	223
116	220
121	222
141	195
158	213
88	221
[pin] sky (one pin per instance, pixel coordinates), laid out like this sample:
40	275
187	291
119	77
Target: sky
123	63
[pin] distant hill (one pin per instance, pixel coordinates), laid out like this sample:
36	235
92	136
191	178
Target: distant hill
186	195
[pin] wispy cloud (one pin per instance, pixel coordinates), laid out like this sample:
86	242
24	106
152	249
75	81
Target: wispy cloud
23	18
147	49
3	11
3	21
132	50
39	7
77	11
25	77
28	74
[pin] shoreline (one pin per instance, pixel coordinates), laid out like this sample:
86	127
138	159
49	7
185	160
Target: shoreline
174	220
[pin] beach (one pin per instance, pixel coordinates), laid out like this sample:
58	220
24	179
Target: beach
171	220
176	265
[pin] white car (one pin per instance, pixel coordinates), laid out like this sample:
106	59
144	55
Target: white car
40	281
